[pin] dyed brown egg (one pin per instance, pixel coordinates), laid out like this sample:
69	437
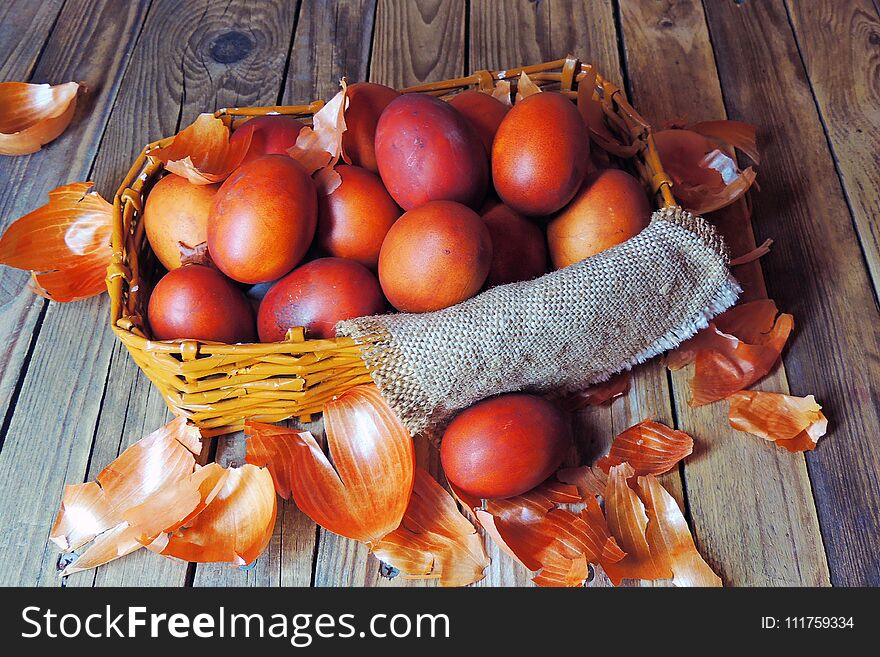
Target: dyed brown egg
610	207
484	112
354	219
366	102
434	257
199	303
177	211
427	151
317	296
504	446
263	219
519	252
270	135
540	154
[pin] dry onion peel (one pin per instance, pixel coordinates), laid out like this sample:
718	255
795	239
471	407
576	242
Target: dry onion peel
589	480
628	523
546	538
730	134
65	243
597	395
142	470
525	87
319	148
32	115
795	423
670	538
500	91
434	540
235	527
274	447
365	495
649	447
202	152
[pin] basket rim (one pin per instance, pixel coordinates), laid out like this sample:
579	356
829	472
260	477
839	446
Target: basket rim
128	198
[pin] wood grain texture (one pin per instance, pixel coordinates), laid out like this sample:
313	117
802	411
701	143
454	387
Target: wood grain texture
24	17
409	37
418	41
817	273
528	33
847	90
185	62
751	506
50	430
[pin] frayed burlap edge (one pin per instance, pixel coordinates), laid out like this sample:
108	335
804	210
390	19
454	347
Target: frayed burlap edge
427	374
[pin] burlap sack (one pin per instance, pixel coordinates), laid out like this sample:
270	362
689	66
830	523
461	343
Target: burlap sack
564	331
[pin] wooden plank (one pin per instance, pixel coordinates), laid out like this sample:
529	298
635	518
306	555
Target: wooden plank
527	33
817	273
848	95
72	358
751	505
414	42
191	58
50	433
35	19
332	40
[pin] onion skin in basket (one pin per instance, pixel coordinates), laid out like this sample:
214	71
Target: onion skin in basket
485	113
519	251
263	219
354	219
177	211
434	257
505	446
317	296
610	208
428	151
366	102
540	154
270	135
199	303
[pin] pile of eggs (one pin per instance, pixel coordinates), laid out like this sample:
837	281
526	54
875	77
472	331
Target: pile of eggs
440	200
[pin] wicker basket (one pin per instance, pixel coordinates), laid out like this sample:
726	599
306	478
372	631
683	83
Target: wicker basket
218	386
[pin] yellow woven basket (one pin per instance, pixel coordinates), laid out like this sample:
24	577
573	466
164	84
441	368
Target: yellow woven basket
218	386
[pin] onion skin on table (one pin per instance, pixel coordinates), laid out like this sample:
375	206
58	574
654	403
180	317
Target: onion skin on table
32	115
364	493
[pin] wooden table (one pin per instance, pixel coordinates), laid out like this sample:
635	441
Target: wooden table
806	72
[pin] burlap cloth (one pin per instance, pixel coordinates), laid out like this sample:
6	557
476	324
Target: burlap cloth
564	331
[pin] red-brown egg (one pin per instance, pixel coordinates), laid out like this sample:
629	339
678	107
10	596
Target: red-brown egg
427	151
177	211
540	154
199	303
434	256
504	446
519	252
610	207
366	102
354	219
317	296
263	219
484	112
270	135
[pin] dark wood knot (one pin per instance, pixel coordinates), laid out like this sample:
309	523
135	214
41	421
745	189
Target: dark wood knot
231	47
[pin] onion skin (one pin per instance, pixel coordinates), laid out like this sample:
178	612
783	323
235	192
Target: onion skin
366	102
610	208
270	135
354	219
540	154
177	211
317	296
263	219
504	446
196	302
519	251
484	112
434	257
427	151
